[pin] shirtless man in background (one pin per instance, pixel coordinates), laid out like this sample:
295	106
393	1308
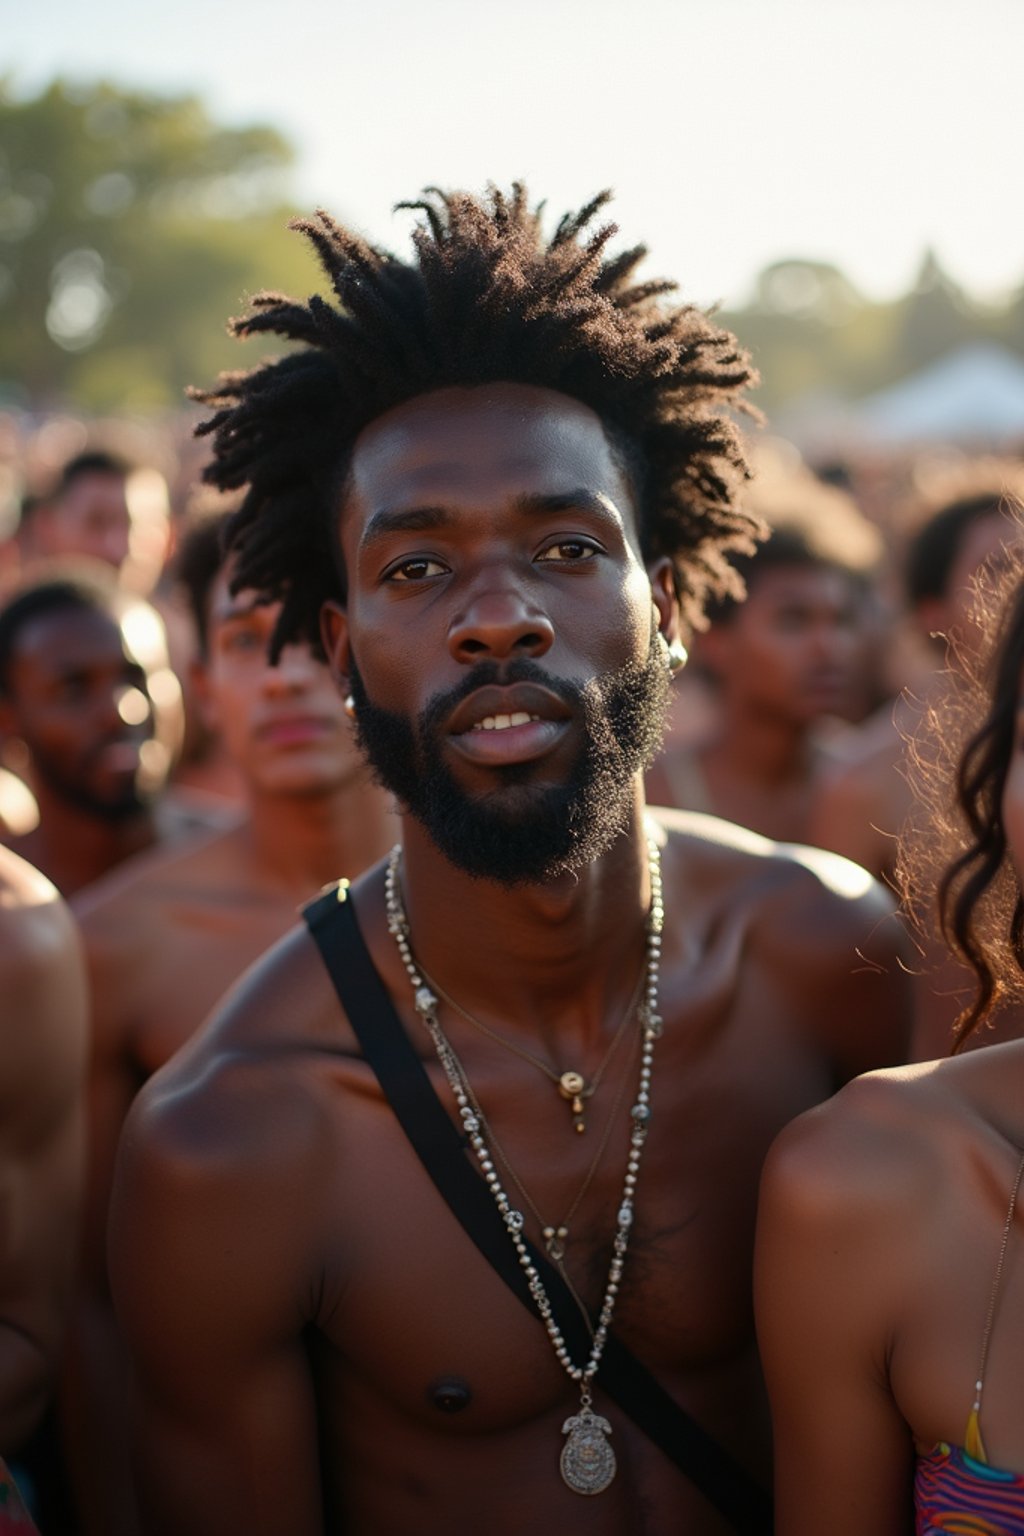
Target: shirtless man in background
497	472
167	939
783	661
91	706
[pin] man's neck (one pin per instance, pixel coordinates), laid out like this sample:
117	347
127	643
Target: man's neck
73	847
300	842
760	747
561	956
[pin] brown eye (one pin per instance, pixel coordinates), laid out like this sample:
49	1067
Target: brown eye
569	551
416	570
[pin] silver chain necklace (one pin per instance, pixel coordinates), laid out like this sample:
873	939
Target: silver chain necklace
587	1461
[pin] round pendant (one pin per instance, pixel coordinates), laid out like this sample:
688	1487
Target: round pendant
587	1461
571	1085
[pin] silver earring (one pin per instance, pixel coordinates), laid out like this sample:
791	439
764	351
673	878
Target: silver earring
350	706
677	656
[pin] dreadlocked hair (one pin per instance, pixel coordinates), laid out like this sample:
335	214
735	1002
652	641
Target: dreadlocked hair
955	845
486	299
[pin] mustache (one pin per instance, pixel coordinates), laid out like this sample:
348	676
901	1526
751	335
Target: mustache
502	674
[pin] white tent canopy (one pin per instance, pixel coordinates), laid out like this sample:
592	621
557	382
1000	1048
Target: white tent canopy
974	393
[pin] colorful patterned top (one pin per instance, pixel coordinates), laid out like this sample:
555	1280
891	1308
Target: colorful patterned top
14	1517
956	1492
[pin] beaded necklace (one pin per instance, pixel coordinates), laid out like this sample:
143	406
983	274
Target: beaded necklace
587	1461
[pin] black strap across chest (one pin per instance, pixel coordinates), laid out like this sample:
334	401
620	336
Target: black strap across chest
440	1147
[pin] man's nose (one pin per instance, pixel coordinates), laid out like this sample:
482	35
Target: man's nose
498	623
294	672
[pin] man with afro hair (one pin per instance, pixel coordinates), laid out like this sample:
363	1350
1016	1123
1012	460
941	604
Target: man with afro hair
495	482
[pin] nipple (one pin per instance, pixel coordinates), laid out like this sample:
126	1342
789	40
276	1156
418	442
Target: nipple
450	1394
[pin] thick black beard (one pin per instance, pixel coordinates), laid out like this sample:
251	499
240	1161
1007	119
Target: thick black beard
524	834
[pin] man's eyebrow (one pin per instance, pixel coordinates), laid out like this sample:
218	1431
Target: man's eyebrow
402	520
594	503
236	610
387	520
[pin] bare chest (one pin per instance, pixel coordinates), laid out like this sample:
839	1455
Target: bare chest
411	1302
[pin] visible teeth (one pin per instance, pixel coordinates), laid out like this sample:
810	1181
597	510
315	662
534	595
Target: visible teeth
502	722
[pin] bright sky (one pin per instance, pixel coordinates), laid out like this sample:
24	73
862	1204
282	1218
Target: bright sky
734	132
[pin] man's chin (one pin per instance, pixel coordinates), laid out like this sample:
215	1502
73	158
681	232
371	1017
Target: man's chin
522	834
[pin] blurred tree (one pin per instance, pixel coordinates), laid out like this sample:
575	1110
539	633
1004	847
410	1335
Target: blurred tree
936	317
131	227
814	335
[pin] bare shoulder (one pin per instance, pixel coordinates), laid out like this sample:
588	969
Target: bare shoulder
265	1045
792	885
143	885
43	1020
246	1107
34	922
869	1156
821	935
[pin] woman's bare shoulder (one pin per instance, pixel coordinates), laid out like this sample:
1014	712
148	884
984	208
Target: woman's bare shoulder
878	1148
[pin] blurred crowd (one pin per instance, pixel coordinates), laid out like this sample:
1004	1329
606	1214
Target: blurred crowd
185	795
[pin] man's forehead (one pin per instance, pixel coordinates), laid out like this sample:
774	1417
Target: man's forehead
224	605
799	580
67	634
521	436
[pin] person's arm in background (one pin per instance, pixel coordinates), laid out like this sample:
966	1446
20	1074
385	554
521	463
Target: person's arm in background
94	1389
43	1042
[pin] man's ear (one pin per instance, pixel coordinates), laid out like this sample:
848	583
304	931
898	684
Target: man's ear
335	641
661	574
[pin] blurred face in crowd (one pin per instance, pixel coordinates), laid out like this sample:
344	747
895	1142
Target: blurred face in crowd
92	697
283	727
122	520
792	647
984	544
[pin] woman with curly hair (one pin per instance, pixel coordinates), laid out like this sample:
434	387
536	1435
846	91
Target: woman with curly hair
890	1271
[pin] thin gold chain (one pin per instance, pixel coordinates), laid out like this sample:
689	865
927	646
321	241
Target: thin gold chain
986	1338
519	1050
589	1088
563	1226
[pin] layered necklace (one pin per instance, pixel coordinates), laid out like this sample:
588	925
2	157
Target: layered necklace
587	1461
572	1086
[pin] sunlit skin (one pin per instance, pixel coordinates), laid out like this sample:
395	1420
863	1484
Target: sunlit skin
43	1042
167	939
880	1230
489	523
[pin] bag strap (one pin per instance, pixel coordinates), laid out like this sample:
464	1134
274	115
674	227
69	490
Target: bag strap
441	1148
